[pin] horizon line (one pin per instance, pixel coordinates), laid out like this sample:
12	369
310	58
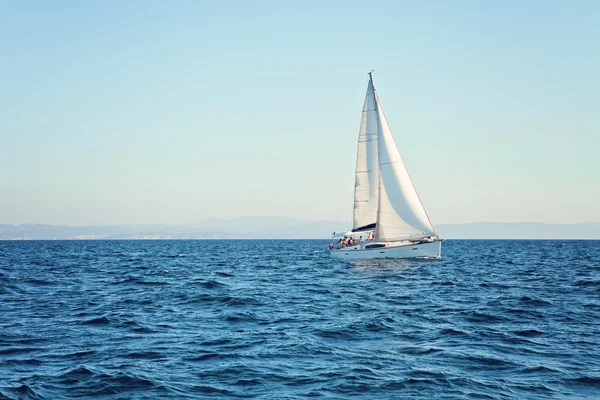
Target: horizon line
289	218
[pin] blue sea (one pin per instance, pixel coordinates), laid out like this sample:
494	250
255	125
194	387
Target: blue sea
279	319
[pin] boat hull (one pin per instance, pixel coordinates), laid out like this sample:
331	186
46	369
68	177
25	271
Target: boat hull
421	250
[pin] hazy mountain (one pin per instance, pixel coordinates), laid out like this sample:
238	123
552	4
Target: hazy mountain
238	228
519	230
289	228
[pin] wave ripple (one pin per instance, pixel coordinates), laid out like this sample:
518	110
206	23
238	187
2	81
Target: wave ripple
280	319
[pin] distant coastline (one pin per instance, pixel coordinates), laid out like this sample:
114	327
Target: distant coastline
286	228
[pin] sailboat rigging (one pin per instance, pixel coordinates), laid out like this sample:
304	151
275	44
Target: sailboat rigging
387	208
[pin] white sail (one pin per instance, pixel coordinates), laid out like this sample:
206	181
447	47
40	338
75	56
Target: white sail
367	167
400	212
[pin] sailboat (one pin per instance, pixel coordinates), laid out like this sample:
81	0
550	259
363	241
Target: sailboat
389	220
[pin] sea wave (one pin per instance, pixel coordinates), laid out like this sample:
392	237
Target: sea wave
281	319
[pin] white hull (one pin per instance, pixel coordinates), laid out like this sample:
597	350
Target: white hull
422	250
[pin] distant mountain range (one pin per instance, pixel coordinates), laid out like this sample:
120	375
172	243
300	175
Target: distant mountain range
288	228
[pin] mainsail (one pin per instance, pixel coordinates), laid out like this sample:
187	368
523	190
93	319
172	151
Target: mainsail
366	181
383	190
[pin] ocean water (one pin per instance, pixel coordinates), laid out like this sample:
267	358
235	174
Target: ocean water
279	319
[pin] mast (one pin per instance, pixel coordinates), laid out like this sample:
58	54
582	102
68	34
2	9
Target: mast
379	183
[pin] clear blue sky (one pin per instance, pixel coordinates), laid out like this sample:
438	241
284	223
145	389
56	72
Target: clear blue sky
170	112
